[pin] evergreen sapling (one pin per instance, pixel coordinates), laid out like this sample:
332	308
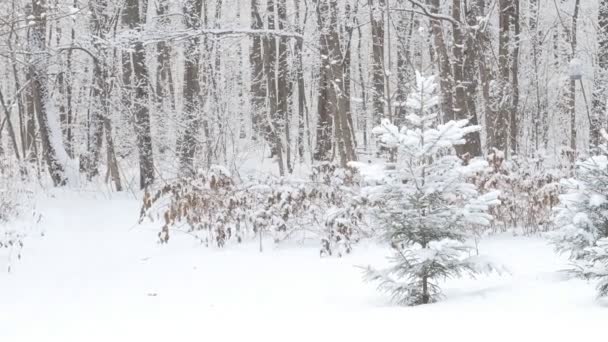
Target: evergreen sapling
583	218
426	204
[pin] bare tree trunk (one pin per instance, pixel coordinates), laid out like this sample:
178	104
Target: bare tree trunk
500	124
572	86
325	123
50	133
165	88
334	90
514	115
111	156
100	93
258	84
20	100
541	118
378	71
283	86
600	92
302	103
462	109
30	148
446	81
274	120
136	79
404	64
191	89
364	121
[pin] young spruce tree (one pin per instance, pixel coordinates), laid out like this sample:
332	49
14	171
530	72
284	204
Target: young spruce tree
426	203
583	218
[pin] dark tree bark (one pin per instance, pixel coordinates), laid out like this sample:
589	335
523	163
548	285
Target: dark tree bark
165	87
258	84
136	80
192	89
303	119
514	115
334	90
52	142
283	85
499	124
463	107
378	70
446	81
274	120
600	92
100	93
571	95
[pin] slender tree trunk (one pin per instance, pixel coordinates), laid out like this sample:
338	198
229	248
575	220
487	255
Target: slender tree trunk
303	133
514	115
52	143
258	83
446	81
111	156
500	124
192	89
572	86
378	71
463	108
283	84
275	121
600	92
165	88
136	80
334	90
540	121
100	93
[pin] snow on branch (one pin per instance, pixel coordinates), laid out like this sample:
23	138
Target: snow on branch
152	37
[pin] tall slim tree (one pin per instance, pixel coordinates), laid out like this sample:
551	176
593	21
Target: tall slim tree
192	88
334	126
600	92
52	143
136	80
377	11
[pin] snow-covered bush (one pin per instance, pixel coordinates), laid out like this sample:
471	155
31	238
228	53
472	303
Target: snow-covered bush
528	192
15	205
427	205
215	208
583	220
595	265
583	212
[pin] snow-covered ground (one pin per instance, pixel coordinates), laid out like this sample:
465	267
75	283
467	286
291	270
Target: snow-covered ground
97	276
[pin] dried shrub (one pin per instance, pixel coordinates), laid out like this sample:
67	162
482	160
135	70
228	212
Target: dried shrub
213	208
529	192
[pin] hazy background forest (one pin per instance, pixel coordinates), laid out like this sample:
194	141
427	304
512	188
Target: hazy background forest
108	87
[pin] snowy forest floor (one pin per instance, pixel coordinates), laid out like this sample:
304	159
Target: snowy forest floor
94	275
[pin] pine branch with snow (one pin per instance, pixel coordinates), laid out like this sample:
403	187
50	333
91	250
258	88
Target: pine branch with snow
583	218
583	211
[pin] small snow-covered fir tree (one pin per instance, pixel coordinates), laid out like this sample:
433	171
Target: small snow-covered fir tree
427	204
583	218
